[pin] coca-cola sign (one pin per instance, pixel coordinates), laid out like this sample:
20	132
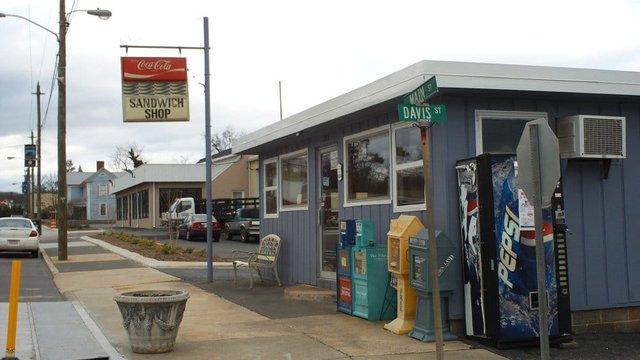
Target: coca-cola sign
154	69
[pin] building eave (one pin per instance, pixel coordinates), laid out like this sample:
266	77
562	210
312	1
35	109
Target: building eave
449	75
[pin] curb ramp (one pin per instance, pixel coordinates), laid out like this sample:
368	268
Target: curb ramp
55	331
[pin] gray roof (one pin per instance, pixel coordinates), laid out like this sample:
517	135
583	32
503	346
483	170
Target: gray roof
77	178
449	75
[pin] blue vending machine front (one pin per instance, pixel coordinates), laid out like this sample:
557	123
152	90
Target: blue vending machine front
344	269
499	263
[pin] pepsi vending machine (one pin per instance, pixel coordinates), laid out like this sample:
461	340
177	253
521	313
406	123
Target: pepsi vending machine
499	260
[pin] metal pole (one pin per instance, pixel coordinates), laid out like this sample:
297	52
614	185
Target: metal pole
280	96
207	117
14	297
431	224
39	160
27	203
32	186
62	136
543	306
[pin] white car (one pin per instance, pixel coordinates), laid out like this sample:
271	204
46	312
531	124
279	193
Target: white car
19	234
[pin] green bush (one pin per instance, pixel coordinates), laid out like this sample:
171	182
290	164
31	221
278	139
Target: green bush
167	249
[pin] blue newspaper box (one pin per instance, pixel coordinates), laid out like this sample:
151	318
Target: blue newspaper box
420	280
344	269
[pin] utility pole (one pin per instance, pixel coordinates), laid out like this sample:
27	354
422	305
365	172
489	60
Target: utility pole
32	204
39	160
62	134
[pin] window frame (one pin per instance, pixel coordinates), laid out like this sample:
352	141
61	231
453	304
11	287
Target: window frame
346	176
103	189
284	157
505	115
276	187
399	167
102	206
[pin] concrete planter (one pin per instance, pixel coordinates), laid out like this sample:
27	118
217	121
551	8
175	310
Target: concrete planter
151	318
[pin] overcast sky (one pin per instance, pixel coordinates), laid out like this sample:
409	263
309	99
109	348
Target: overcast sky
317	49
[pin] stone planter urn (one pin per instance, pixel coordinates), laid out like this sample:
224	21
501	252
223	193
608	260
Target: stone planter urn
151	318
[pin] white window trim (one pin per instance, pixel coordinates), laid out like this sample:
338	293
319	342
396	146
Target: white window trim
266	188
281	207
502	114
395	168
345	155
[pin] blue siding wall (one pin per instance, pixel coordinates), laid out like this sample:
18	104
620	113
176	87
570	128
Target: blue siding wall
602	214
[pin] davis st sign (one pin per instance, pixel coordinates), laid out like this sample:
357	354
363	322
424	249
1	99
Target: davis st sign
434	113
416	108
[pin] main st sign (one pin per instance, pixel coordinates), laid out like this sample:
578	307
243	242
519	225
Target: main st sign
415	107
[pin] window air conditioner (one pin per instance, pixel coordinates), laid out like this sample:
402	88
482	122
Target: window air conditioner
592	137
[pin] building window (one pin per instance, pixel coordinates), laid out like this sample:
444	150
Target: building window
103	190
135	202
368	167
271	187
408	169
293	184
140	204
123	207
143	197
500	131
103	209
237	194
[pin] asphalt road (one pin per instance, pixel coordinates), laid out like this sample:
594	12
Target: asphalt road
36	281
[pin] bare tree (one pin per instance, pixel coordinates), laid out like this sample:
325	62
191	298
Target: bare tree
50	183
127	157
222	141
70	166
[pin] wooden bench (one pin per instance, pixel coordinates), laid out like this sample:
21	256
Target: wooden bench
265	258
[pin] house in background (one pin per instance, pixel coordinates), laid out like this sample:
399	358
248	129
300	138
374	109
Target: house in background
90	195
143	195
351	158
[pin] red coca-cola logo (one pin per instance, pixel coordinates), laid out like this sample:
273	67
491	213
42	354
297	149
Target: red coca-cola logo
154	69
160	64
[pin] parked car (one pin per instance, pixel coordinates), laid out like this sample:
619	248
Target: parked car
19	234
195	226
245	222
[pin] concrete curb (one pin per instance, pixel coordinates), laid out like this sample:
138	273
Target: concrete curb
97	332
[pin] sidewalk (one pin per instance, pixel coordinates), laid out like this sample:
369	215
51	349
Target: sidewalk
216	328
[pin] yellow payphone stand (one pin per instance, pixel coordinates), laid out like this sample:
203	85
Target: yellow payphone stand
400	230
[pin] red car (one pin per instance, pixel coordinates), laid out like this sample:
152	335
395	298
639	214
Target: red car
195	226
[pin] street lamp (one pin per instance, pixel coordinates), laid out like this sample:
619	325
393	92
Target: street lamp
62	116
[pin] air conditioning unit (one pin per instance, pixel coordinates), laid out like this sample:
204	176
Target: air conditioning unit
592	137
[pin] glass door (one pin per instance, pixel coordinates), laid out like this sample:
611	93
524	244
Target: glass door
328	211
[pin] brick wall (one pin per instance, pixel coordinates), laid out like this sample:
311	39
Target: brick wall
621	320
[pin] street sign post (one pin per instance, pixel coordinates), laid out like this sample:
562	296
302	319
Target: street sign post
434	113
415	108
538	174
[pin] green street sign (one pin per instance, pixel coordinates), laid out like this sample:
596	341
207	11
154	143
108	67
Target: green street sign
422	93
434	113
